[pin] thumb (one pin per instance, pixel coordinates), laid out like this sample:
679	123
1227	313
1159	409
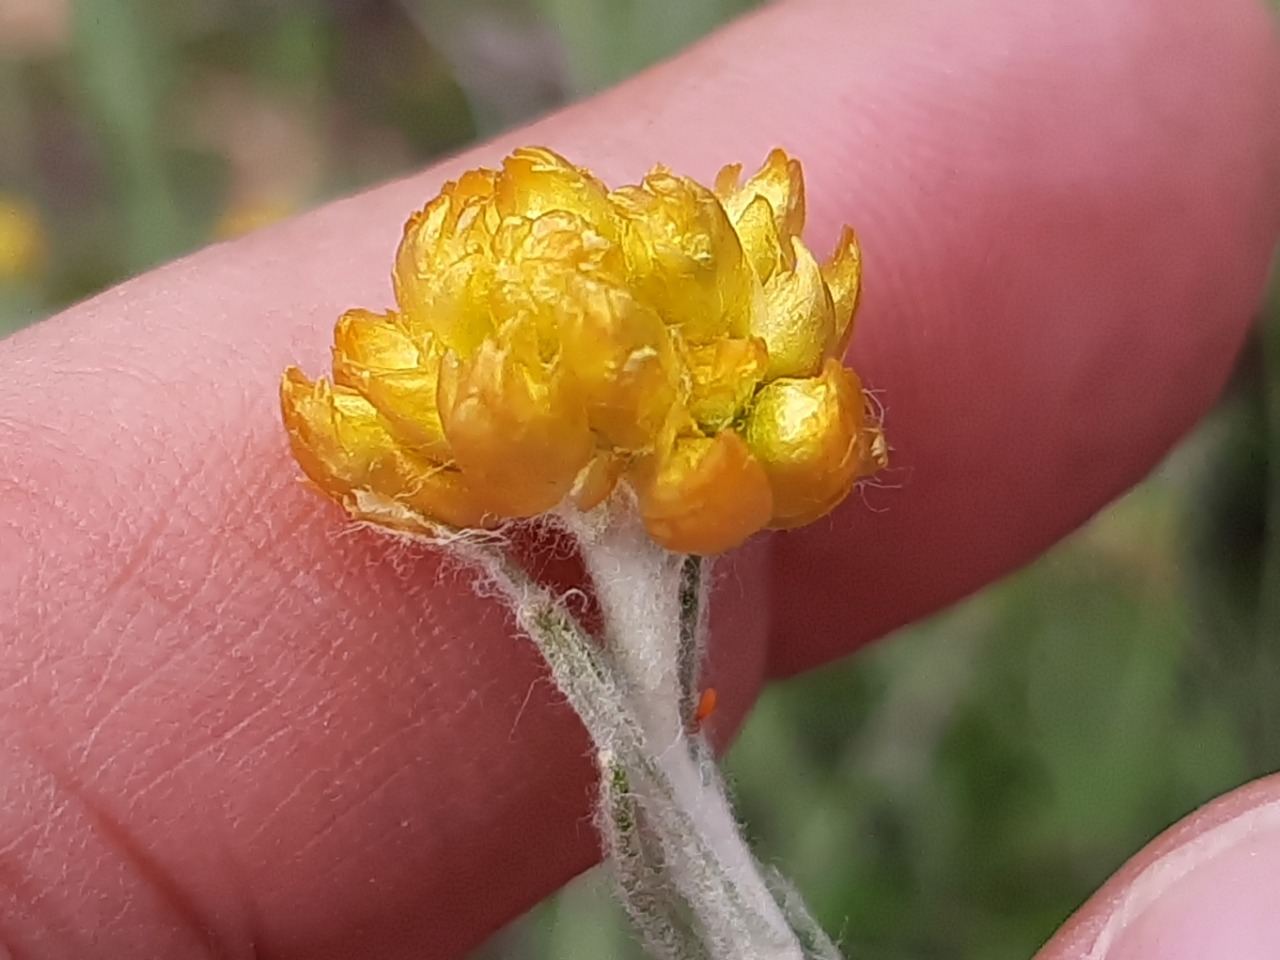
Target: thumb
1209	887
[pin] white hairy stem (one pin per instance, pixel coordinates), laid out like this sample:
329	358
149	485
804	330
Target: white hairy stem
669	825
637	584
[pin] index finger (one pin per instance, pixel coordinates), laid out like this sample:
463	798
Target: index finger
1063	254
374	763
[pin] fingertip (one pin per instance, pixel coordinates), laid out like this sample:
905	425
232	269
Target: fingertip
1066	220
1209	887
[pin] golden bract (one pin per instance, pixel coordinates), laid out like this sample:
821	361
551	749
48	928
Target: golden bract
553	339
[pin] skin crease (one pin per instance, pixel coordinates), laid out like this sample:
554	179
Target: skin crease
234	727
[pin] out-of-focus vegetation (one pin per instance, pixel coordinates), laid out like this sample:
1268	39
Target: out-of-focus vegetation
135	130
955	792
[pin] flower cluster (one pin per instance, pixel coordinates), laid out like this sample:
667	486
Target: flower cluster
554	339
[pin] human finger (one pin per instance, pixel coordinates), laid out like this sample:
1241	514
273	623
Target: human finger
1068	215
1208	887
375	762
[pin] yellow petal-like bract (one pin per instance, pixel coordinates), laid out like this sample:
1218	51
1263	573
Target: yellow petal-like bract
553	339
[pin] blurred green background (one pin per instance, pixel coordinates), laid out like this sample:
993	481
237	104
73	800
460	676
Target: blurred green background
953	793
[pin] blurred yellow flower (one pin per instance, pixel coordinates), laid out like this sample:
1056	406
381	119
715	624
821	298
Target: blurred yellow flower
553	339
22	239
247	215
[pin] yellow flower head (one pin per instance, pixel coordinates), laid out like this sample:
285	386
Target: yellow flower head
554	340
22	239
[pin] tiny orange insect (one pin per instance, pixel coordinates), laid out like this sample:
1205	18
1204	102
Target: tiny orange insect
706	707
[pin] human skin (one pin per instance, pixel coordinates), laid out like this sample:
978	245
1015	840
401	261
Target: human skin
231	726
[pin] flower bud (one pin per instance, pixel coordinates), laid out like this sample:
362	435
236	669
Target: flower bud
705	495
618	351
766	250
685	258
443	268
535	181
374	355
723	378
780	181
346	451
806	434
799	325
517	429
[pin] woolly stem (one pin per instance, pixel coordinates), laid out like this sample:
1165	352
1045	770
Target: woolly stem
693	591
651	900
687	877
652	604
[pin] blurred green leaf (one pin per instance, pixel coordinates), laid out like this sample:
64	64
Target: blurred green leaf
607	40
125	72
1268	665
19	305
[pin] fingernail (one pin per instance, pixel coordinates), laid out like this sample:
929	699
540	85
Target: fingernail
1216	897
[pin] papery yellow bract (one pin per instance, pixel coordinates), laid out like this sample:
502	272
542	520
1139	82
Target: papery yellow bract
375	356
685	258
534	181
554	340
806	432
348	452
798	327
443	265
621	355
723	378
517	428
780	182
704	494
